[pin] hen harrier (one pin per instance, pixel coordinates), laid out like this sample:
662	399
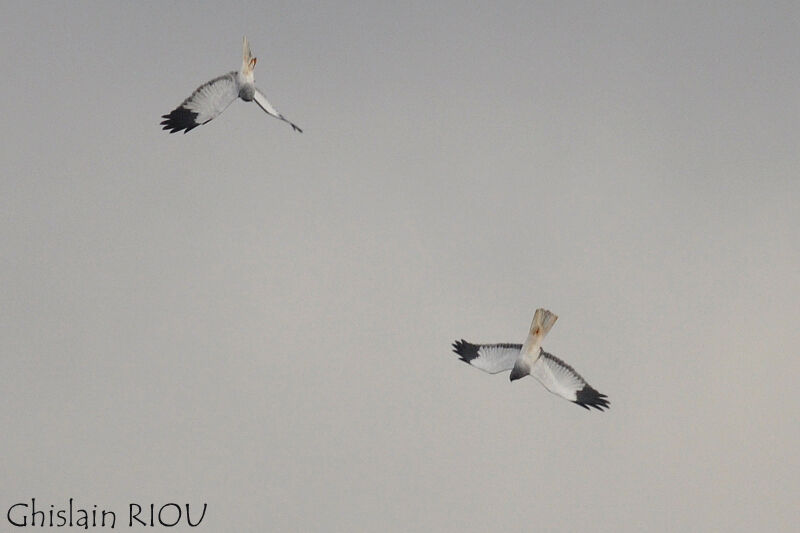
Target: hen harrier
529	358
213	97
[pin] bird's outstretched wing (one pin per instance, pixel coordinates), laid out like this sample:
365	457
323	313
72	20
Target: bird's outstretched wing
561	379
205	103
491	358
264	104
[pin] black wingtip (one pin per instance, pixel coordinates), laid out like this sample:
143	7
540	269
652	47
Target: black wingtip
467	351
588	397
179	119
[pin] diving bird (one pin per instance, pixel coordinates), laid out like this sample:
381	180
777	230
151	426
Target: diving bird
213	97
529	358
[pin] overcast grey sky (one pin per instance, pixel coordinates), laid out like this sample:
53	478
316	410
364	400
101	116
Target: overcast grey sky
261	320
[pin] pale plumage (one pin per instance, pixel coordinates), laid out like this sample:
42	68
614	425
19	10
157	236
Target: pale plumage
529	358
213	97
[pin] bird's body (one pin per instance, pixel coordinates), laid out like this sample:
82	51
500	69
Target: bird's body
213	97
530	358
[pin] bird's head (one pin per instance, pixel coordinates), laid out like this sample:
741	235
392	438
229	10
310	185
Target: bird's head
248	61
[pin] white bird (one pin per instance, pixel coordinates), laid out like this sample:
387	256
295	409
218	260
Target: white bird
529	358
213	97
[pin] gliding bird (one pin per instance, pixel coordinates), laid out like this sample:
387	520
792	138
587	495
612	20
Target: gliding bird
213	97
529	358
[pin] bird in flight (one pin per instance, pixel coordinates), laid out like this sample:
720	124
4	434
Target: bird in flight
213	97
529	358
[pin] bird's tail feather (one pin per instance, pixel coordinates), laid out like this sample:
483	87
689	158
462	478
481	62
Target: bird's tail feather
543	321
247	55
